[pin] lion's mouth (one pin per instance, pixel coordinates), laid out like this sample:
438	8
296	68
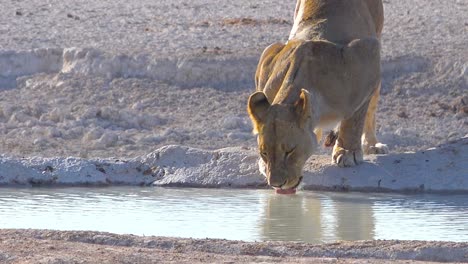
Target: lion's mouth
286	191
291	190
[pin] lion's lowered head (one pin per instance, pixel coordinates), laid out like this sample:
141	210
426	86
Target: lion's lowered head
285	137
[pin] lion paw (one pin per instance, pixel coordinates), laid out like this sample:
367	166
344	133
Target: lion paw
379	148
347	158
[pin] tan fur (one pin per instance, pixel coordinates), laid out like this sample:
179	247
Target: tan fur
327	73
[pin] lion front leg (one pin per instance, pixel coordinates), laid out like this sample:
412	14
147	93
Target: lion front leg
370	145
347	151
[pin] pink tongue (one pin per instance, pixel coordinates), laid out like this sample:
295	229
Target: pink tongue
287	191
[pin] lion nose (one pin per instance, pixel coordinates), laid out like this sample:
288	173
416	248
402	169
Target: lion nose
276	182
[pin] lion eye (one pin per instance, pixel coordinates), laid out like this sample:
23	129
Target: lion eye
264	155
288	153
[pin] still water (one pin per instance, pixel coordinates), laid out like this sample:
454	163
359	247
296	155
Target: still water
251	215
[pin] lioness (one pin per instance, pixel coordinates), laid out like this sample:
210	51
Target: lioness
326	75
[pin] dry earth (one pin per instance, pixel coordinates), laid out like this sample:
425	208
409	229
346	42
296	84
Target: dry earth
164	73
42	246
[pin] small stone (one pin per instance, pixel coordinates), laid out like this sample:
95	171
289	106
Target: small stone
460	104
402	114
204	24
138	106
73	16
49	169
443	106
464	109
53	132
108	139
40	141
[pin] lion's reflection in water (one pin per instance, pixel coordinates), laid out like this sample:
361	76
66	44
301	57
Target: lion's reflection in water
317	218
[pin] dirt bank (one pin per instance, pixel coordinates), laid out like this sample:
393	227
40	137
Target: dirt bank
44	246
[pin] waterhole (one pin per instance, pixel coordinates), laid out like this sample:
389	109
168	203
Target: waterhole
250	215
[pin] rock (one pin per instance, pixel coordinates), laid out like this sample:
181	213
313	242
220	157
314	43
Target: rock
402	114
460	104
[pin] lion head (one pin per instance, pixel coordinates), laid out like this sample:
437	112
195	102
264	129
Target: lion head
285	137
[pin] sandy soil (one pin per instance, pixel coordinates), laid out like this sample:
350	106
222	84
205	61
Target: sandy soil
180	73
42	246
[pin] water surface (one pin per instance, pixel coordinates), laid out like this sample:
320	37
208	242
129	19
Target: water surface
251	215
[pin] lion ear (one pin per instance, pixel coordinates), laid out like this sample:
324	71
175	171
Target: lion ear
302	107
257	107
